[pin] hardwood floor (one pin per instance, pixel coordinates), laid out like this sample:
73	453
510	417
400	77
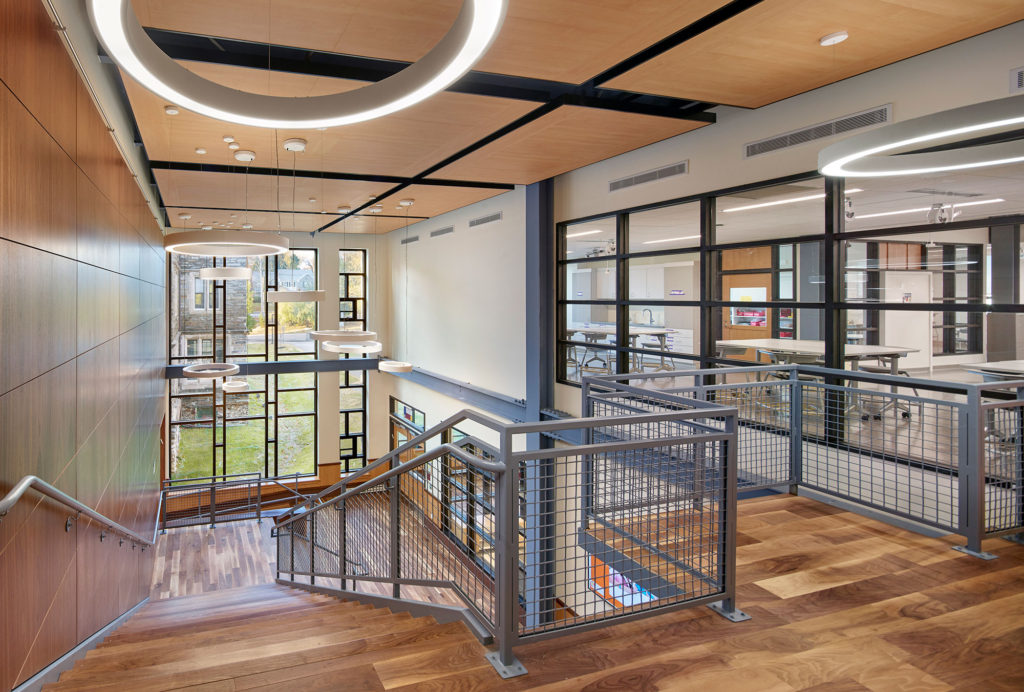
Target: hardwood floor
839	602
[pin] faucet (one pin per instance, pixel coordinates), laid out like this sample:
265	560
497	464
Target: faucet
651	312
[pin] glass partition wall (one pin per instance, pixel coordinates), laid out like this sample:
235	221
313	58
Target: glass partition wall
929	264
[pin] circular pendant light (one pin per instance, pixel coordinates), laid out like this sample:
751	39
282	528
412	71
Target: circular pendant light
361	347
225	273
295	296
127	43
210	370
870	154
233	386
343	336
394	366
226	243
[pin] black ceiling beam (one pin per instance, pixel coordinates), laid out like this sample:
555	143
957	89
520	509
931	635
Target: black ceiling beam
709	21
238	53
322	175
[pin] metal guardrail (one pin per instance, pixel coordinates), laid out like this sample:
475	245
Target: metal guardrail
644	509
39	485
941	454
232	497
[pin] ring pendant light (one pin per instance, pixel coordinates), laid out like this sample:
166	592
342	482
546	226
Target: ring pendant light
126	42
346	336
360	347
225	273
210	370
870	154
226	243
233	385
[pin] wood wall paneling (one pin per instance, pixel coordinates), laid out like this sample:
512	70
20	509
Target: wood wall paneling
35	66
35	176
747	258
81	377
37	312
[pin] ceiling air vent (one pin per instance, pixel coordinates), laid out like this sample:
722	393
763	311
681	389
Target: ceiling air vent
1017	80
413	239
485	219
944	193
442	231
681	168
847	123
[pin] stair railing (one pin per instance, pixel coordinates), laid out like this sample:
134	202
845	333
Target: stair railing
39	485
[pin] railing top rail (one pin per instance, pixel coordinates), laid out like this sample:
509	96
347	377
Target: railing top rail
447	423
715	410
455	449
250	474
41	486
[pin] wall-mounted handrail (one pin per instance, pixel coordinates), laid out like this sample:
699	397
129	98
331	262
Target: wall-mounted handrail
39	485
447	423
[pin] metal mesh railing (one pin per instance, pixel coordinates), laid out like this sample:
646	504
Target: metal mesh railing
1003	459
189	502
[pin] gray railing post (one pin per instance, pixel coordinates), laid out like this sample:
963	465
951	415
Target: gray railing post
396	535
213	505
727	528
312	547
341	543
796	432
259	501
506	575
291	547
972	478
163	511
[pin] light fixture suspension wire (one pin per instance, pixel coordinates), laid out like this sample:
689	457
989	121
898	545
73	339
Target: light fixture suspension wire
408	358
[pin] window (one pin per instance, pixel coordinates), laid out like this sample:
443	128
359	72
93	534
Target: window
272	427
352	315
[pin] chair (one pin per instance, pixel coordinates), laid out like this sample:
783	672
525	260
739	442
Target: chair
884	367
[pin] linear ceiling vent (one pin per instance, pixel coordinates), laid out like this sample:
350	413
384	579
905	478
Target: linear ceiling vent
485	219
413	239
681	168
847	123
442	231
1017	80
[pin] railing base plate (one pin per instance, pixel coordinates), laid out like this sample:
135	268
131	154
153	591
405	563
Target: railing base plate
975	553
1015	538
734	615
513	670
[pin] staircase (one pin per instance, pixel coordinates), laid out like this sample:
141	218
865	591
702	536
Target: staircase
271	636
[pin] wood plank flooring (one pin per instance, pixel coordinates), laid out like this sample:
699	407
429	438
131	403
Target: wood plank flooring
839	602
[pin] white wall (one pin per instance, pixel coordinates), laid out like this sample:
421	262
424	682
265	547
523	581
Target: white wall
967	72
459	310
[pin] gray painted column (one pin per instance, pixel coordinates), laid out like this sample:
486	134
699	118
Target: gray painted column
1003	343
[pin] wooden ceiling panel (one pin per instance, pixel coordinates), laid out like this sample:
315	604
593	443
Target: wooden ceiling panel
771	51
563	140
431	200
283	221
562	40
401	144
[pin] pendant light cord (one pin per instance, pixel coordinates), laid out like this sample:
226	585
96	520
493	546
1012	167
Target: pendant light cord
407	356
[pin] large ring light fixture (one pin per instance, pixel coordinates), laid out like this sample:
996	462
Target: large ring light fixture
868	154
226	243
118	29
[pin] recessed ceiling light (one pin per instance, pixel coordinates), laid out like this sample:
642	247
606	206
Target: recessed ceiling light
171	110
200	151
245	156
925	209
207	228
344	209
669	240
577	235
833	39
234	146
228	138
233	216
117	26
247	226
184	217
312	200
376	209
294	144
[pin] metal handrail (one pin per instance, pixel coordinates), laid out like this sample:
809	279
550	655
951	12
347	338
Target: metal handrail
39	485
453	448
447	423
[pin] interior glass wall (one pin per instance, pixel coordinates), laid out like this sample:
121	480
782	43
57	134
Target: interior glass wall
352	315
928	267
271	427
